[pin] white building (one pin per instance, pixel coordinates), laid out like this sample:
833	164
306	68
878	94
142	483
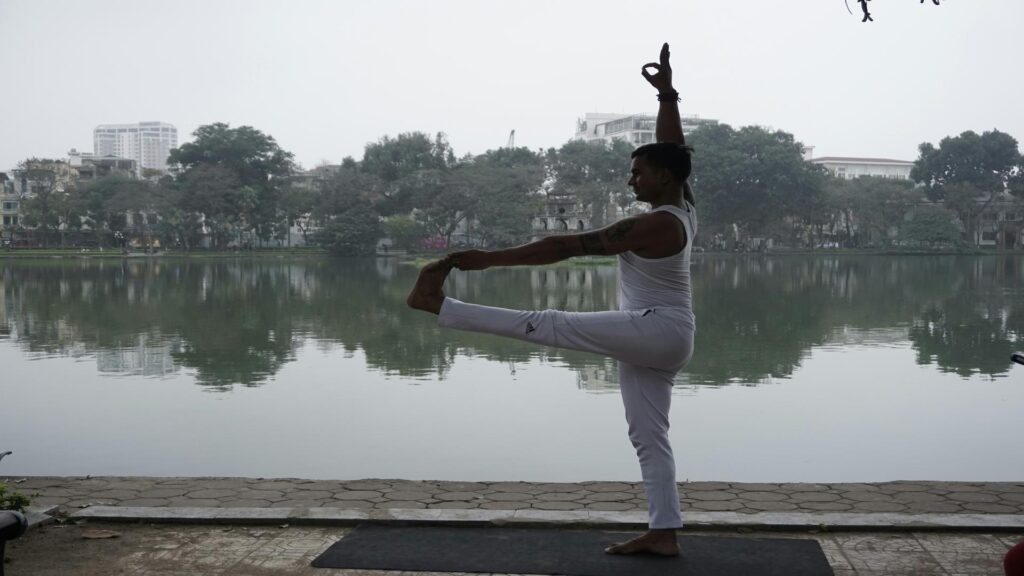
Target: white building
9	203
849	168
637	129
148	143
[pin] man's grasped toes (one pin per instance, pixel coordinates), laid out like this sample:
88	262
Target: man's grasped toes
428	292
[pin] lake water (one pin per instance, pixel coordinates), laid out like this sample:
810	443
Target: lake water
807	368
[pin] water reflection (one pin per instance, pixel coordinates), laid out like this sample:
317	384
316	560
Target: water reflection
239	321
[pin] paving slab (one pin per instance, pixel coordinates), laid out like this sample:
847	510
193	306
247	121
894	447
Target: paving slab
510	506
39	515
909	498
185	515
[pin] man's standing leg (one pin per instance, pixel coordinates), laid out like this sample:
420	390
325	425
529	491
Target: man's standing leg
647	397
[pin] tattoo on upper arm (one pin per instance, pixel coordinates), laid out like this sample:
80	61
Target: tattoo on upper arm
618	232
591	243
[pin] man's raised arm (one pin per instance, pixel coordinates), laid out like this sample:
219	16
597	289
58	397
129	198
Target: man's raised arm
669	127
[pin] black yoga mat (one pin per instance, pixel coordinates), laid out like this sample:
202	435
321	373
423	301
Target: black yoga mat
572	553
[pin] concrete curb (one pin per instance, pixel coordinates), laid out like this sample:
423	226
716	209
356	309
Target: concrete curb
570	519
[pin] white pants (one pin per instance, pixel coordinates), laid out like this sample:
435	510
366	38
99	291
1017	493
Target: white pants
650	347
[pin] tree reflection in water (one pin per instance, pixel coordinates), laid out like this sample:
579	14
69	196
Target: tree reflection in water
239	321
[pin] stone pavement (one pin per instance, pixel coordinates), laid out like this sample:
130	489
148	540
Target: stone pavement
178	550
73	493
895	522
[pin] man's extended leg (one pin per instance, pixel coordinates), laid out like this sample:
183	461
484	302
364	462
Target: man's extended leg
634	336
654	337
647	397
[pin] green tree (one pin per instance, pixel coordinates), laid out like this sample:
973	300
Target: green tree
346	205
444	199
176	225
214	192
508	182
136	201
811	213
931	225
882	205
94	202
842	204
108	204
352	233
753	178
595	173
258	166
870	210
49	202
404	231
348	186
394	166
968	172
254	157
298	204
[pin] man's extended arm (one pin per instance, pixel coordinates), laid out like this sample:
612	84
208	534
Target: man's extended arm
628	234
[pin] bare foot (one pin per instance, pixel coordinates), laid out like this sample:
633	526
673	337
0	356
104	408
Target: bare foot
659	542
428	294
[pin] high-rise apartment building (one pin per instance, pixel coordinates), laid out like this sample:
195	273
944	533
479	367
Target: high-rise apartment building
148	143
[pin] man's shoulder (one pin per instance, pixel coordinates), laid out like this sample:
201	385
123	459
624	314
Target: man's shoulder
663	216
658	227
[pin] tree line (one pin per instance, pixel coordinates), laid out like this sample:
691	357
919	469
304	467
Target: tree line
237	186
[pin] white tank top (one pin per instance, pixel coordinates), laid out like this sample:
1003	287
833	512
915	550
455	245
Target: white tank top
659	282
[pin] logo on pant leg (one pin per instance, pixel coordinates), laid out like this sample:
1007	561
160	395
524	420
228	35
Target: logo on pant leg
529	327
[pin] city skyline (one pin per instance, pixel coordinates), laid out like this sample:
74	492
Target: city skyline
324	79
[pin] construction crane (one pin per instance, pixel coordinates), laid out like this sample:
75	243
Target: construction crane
512	139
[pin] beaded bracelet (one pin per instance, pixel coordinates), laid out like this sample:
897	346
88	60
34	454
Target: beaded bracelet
672	96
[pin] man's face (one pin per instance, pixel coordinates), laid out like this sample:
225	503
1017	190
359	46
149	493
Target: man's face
644	179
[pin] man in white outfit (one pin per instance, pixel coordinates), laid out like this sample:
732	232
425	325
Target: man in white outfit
651	335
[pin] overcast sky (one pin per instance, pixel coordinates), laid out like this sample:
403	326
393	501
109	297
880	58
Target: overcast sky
326	77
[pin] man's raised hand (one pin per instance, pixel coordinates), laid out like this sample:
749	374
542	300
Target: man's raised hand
662	78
